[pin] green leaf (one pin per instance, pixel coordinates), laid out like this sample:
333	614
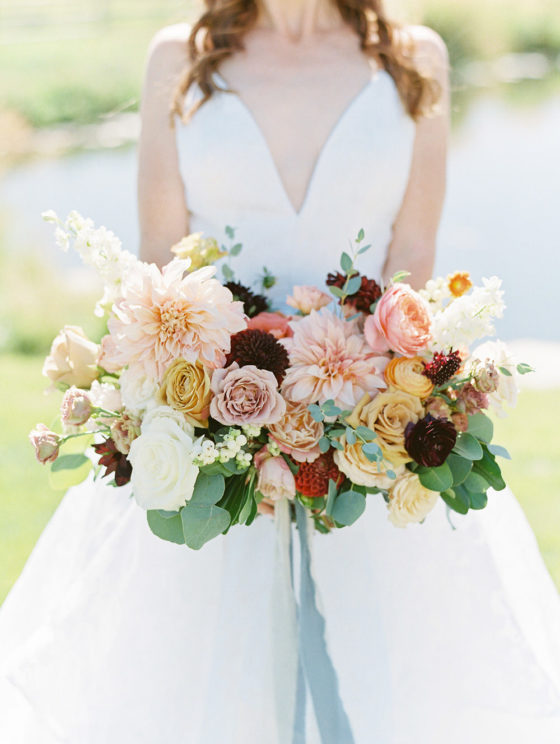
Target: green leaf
203	523
481	427
455	501
69	462
329	409
346	263
168	529
336	433
316	412
227	272
467	446
478	500
523	368
460	468
476	483
69	470
245	512
294	468
236	249
364	433
363	249
353	285
399	276
489	469
230	232
167	514
499	451
505	371
348	507
336	291
251	518
336	444
350	435
372	451
361	235
324	444
436	479
208	489
331	496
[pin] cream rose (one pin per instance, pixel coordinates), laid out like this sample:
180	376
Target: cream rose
72	359
361	471
246	395
297	433
306	298
409	501
388	414
186	388
159	413
405	374
138	391
163	473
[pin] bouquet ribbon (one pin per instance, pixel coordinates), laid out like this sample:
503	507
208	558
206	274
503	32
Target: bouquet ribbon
302	662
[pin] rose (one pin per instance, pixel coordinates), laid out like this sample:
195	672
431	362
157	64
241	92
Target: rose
163	472
306	298
275	480
246	395
297	433
401	322
45	442
104	395
388	414
406	374
430	440
409	501
76	407
72	359
485	376
361	471
138	391
470	400
124	431
438	408
186	388
275	323
166	413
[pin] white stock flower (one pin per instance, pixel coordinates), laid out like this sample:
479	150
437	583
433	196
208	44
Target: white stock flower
138	391
163	471
436	292
507	391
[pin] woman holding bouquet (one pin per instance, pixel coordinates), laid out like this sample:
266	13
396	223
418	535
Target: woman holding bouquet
298	122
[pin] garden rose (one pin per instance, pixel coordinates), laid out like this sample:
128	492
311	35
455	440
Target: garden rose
405	373
186	388
76	407
246	395
507	390
430	440
72	359
297	433
401	322
306	298
275	323
361	471
275	480
124	431
409	501
138	390
166	413
45	442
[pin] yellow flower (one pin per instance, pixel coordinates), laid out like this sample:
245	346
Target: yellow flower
186	388
459	283
361	471
201	251
388	415
409	501
405	374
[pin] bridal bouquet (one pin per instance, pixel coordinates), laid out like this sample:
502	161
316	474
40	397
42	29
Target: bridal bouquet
210	403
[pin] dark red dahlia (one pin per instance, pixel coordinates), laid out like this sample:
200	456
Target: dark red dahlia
253	304
430	440
113	461
368	293
312	478
261	349
442	367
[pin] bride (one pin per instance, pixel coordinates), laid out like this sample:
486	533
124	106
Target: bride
298	122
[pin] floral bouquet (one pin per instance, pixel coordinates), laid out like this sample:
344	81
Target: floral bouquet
215	407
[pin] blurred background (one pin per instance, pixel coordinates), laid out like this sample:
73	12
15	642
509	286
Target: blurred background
69	95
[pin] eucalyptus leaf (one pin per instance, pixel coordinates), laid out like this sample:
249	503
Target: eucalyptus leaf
481	427
336	291
230	232
505	371
468	446
167	529
476	483
489	469
350	435
324	444
167	514
361	235
203	523
478	500
399	276
208	489
498	451
454	501
316	412
460	468
348	507
436	479
353	285
364	248
364	433
346	263
523	368
69	471
236	249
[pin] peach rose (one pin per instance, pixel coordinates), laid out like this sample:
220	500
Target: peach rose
45	442
186	388
276	480
246	395
297	433
306	298
405	373
275	323
401	322
409	501
361	471
72	359
124	430
388	414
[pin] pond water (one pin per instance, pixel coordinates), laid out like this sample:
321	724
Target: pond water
501	214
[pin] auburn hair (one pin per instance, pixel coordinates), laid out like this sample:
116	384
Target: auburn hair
220	30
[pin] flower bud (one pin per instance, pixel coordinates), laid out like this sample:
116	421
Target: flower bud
45	442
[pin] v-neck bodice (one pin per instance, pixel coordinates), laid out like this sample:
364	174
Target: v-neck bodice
358	181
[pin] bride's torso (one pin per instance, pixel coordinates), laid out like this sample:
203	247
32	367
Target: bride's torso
349	172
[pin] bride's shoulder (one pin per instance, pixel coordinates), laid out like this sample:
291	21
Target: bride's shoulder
428	49
168	51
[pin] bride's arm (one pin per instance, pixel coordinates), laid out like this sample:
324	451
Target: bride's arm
413	243
161	200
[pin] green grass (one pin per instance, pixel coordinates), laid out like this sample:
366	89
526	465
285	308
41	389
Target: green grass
27	501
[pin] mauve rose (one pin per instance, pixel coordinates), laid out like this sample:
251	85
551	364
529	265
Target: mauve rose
72	359
401	322
246	395
275	323
45	442
430	440
275	480
470	400
76	407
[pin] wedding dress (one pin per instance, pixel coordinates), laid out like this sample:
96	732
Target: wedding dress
435	634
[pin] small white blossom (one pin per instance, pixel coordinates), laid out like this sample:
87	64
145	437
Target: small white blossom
251	430
273	448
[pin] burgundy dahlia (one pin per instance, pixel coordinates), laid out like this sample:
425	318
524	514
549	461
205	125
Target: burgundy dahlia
312	478
430	440
368	293
113	461
261	349
253	303
442	367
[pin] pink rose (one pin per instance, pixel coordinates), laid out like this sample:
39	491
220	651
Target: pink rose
306	298
401	322
246	395
276	480
275	323
76	407
46	443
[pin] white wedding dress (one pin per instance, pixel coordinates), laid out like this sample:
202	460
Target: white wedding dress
437	636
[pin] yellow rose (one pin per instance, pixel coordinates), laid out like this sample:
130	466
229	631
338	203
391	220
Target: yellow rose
201	251
186	388
409	501
361	471
388	415
72	359
405	374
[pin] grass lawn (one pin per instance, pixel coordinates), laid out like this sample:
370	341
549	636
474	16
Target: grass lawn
26	501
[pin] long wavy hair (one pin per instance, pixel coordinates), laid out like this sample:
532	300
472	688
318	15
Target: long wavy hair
220	30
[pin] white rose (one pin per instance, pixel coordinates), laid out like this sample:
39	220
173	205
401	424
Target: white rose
409	501
138	391
507	391
104	395
163	473
166	413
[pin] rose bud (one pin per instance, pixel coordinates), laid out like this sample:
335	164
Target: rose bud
430	440
76	407
124	431
46	443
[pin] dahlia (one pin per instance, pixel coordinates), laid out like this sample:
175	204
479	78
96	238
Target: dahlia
312	478
261	349
430	440
330	359
253	303
362	300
